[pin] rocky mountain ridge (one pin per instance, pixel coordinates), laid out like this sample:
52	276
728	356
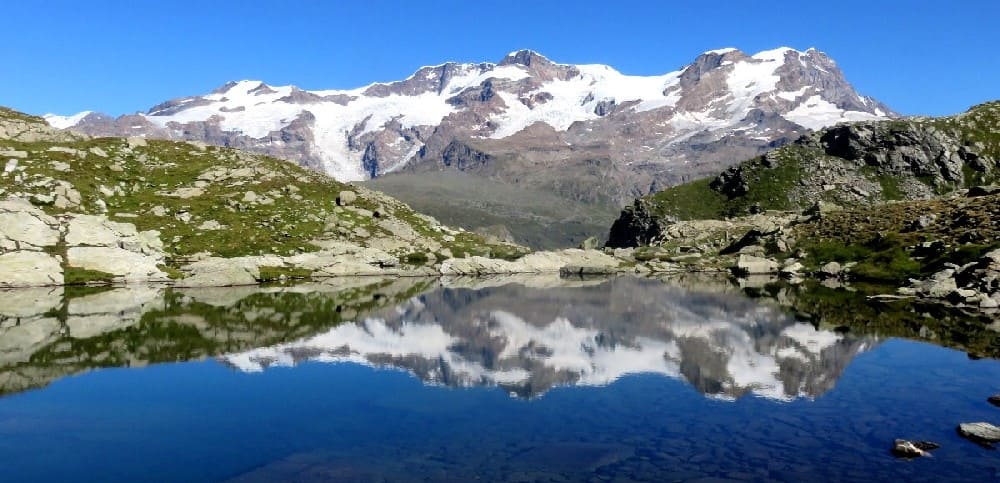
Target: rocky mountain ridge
859	164
907	207
525	119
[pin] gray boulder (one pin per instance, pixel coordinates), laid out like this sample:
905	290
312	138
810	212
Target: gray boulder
751	265
346	198
983	433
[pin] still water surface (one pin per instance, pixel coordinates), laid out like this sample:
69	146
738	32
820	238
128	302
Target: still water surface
527	379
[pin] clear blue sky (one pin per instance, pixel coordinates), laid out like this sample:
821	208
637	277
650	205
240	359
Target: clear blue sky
919	57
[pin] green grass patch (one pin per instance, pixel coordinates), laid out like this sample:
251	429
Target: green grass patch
172	273
273	274
83	276
415	258
691	201
890	187
881	259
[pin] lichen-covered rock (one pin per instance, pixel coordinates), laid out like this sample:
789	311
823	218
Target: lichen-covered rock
219	272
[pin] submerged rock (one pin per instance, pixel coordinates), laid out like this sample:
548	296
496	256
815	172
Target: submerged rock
982	433
913	449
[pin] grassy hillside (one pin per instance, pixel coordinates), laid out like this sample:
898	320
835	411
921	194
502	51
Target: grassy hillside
211	200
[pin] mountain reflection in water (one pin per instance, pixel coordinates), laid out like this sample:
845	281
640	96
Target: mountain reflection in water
213	405
528	341
526	335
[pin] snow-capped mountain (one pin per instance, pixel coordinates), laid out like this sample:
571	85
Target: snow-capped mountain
653	130
528	341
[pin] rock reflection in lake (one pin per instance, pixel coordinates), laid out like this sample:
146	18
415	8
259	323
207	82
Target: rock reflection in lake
48	333
528	340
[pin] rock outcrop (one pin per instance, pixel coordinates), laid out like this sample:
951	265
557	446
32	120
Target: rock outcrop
37	249
975	284
850	166
538	262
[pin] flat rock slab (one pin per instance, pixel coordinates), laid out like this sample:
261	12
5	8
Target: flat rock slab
980	432
128	265
29	269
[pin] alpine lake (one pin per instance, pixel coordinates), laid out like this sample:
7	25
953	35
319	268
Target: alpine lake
532	378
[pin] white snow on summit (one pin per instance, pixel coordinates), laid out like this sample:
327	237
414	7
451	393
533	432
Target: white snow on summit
63	122
257	110
597	82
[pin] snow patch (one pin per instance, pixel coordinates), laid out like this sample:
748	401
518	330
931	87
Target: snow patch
63	122
817	113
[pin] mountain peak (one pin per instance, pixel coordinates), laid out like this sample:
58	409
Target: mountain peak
762	99
722	51
525	57
777	54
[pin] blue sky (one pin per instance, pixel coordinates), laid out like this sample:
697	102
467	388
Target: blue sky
919	57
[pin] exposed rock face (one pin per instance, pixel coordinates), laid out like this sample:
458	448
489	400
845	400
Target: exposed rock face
637	226
870	162
29	237
25	128
639	133
29	269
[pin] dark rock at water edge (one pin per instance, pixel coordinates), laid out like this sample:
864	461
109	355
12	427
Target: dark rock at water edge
903	448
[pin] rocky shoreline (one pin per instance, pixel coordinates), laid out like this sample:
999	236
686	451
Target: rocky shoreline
81	249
